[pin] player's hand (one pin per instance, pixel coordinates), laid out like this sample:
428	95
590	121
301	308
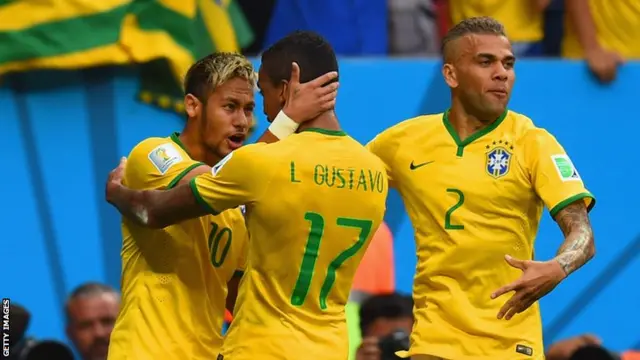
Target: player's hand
369	349
603	63
563	349
114	182
306	101
538	279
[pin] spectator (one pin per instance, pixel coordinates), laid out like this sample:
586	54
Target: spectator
91	311
523	20
603	32
413	27
380	317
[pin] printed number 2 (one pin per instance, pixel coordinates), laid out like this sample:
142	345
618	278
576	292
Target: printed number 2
311	253
215	238
447	217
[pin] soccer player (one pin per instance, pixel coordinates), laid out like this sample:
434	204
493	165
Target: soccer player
475	181
313	202
177	281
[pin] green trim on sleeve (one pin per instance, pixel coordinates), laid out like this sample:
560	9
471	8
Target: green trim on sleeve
238	273
182	174
199	198
563	204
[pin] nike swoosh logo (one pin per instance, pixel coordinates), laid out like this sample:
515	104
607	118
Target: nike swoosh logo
413	166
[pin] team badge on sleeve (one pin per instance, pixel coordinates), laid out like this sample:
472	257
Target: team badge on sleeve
217	167
164	157
498	161
565	168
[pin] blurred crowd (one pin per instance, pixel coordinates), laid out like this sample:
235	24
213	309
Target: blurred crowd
603	32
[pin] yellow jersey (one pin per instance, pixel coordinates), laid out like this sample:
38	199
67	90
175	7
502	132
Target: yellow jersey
521	23
617	29
314	201
174	280
471	203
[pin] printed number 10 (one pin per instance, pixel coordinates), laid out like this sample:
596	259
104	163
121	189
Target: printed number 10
311	252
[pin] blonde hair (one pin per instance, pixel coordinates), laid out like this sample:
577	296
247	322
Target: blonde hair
214	70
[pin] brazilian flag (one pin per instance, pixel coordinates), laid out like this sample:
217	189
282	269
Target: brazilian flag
164	36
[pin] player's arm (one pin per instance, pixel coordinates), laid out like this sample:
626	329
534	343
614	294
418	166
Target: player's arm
558	183
578	246
385	147
232	292
303	102
208	193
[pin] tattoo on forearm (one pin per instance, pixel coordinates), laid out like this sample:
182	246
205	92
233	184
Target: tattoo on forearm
578	246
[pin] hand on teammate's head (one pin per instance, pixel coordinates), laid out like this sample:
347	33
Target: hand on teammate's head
305	101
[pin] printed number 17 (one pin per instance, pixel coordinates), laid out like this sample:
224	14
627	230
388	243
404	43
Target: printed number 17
311	253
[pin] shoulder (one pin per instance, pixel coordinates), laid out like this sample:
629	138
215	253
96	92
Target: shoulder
387	142
525	131
247	157
161	152
403	127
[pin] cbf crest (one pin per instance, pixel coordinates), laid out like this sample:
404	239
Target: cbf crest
499	159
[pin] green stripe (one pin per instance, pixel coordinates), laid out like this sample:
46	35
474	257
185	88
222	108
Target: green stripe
62	37
244	33
199	198
182	174
564	203
153	16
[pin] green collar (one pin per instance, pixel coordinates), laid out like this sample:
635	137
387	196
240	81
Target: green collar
326	131
175	137
475	136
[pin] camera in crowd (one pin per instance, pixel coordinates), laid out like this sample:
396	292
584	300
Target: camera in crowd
29	348
396	341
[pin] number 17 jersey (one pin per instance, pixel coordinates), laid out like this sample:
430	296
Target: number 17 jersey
314	201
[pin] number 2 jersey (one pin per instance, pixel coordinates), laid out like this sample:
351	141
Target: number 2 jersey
314	201
471	203
174	280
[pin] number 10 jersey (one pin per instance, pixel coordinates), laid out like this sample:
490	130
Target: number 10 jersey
471	203
313	202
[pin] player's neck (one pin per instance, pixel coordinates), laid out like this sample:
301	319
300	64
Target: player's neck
465	122
196	149
326	120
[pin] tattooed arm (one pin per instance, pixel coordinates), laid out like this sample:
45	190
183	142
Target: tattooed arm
578	246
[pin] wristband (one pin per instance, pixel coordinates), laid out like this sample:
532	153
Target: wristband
283	126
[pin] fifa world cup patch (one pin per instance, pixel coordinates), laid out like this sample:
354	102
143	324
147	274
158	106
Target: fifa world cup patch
217	167
565	168
163	157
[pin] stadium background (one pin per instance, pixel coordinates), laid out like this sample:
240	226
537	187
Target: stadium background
63	131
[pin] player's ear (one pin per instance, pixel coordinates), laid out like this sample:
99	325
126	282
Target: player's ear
192	105
450	76
284	91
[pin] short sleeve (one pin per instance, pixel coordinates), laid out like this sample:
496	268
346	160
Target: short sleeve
553	175
385	149
239	179
157	163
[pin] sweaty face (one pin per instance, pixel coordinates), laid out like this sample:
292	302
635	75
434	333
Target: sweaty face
91	321
272	96
484	73
226	117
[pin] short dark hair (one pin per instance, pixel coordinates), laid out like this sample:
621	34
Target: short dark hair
214	70
89	289
310	50
387	306
475	25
